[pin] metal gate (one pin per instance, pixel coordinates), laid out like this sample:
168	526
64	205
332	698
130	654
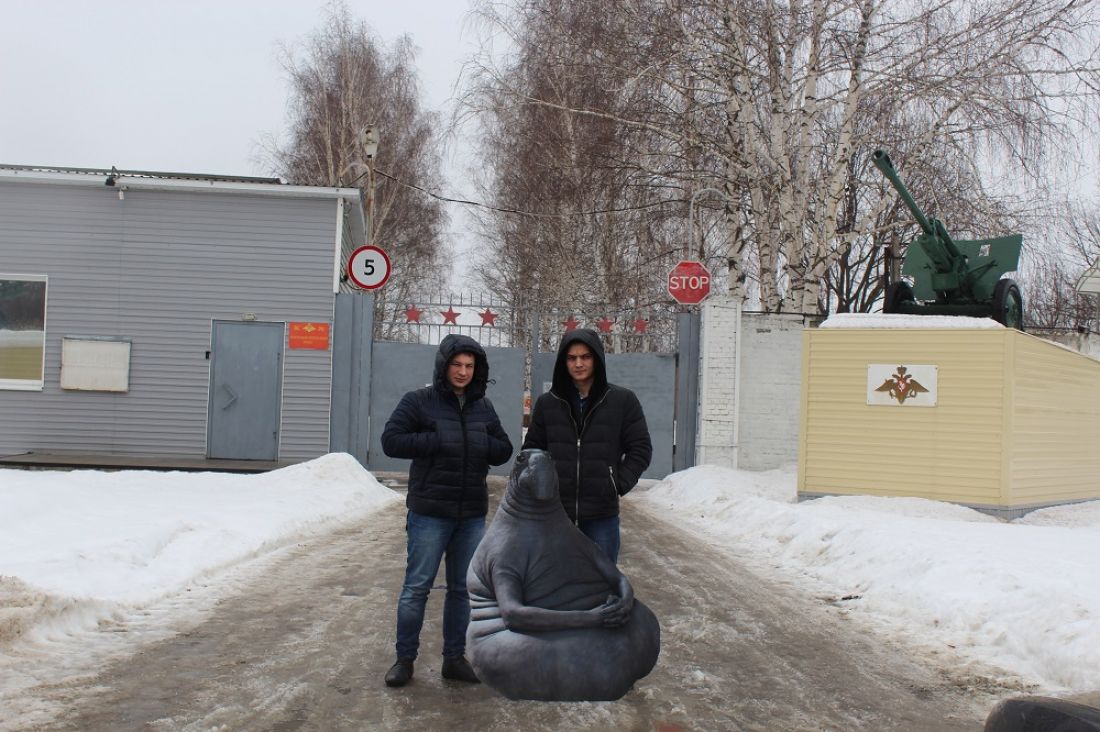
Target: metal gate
652	377
246	383
400	367
656	356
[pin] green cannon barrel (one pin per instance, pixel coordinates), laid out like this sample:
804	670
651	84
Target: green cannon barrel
882	162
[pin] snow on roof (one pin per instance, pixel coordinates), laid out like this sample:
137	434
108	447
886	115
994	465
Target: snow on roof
897	320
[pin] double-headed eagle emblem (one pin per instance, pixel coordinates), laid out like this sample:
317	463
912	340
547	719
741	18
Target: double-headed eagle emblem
902	386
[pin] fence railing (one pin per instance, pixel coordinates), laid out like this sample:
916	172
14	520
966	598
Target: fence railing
493	321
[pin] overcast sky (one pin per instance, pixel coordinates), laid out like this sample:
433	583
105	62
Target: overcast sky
179	85
192	86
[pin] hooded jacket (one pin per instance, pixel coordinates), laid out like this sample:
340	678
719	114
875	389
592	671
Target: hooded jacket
600	454
451	445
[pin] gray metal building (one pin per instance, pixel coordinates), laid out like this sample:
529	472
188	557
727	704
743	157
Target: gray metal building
143	309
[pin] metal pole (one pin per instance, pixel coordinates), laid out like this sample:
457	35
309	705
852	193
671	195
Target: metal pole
691	219
370	200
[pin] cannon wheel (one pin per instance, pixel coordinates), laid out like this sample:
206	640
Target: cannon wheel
897	293
1008	304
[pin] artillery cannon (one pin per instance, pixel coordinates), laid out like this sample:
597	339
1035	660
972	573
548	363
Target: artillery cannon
953	277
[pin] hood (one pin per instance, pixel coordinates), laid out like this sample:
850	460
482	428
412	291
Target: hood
563	382
448	347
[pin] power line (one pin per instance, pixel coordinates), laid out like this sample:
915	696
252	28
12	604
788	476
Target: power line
534	214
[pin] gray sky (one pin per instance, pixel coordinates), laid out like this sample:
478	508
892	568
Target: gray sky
179	85
190	86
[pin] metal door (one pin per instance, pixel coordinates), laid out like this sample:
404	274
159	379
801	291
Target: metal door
652	377
246	382
397	368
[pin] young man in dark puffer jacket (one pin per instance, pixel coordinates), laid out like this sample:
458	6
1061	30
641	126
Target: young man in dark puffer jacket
452	434
597	435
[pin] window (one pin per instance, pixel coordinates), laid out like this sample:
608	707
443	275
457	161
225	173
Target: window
22	331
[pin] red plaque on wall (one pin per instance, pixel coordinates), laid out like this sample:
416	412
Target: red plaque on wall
312	336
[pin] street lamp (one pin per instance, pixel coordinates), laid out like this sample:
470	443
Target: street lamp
368	140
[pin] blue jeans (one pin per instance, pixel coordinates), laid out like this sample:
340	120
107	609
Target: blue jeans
605	532
429	540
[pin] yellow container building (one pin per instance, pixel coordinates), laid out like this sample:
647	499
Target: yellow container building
990	418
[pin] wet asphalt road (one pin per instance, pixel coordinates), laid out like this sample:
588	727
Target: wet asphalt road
302	640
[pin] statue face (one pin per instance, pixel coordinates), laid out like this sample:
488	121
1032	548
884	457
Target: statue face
537	477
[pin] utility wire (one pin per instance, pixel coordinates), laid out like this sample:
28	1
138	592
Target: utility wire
534	214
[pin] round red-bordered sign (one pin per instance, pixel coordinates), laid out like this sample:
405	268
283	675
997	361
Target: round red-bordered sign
369	267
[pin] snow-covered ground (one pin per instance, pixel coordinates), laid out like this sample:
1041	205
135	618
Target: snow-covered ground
82	547
79	548
1023	595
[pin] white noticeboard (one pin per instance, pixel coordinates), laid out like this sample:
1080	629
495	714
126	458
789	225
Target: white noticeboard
89	364
902	385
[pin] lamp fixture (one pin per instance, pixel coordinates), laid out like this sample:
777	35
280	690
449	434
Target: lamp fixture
368	138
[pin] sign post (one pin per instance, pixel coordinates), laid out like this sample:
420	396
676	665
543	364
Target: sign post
689	282
369	267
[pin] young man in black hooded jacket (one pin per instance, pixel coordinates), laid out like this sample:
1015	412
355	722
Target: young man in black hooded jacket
596	434
452	434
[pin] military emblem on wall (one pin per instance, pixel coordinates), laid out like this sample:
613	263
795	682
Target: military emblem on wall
901	385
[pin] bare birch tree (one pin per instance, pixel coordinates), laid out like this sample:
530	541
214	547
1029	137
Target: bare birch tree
344	80
779	104
581	225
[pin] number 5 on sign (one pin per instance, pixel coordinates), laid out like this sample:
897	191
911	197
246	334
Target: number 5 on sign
369	267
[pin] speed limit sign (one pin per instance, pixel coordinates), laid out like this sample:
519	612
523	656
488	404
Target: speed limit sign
369	267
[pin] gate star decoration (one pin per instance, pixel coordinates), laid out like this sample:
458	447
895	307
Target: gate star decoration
489	317
412	314
450	315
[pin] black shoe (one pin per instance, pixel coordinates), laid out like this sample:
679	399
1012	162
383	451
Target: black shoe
458	668
400	673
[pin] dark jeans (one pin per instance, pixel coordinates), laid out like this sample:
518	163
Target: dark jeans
429	540
605	532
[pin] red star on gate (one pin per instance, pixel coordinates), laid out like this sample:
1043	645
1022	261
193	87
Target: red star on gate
450	315
640	325
571	324
605	324
412	315
489	317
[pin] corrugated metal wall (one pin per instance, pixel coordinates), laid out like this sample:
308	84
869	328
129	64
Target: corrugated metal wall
1016	424
156	268
953	452
1055	441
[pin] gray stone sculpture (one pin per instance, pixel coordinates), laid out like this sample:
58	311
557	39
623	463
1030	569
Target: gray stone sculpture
552	618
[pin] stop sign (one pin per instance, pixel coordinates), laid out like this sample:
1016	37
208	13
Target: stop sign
689	283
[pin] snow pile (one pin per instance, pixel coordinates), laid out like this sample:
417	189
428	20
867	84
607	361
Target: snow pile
76	547
1019	596
897	320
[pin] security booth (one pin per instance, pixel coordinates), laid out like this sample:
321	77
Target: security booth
164	314
987	417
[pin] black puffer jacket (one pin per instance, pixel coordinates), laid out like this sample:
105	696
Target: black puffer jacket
451	447
601	455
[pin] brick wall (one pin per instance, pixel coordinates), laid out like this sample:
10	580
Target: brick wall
750	385
771	389
716	441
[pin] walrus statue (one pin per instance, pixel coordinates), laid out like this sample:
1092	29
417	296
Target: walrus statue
552	618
